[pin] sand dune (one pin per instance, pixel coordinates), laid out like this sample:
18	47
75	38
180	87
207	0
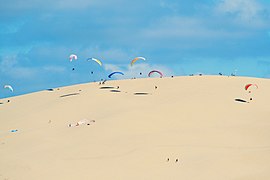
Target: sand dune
195	127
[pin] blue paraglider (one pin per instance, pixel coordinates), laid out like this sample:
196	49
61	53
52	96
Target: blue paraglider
110	75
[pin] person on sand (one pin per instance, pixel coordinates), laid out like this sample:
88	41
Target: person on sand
155	87
176	160
168	159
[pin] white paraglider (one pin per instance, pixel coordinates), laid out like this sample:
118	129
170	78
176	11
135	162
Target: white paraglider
73	57
9	87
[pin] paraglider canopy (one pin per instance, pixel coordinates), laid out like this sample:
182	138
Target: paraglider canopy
155	71
116	72
136	59
96	60
8	87
73	57
248	86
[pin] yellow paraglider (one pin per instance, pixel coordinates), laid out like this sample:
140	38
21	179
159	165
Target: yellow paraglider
136	59
96	60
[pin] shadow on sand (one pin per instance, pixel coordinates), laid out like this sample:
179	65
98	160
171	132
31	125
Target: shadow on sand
72	94
241	100
106	87
141	93
117	91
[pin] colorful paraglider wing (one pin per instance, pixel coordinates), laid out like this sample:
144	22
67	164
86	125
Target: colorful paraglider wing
249	85
96	60
110	75
155	71
73	57
136	59
8	87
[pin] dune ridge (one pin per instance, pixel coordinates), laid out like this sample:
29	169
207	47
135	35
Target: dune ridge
192	127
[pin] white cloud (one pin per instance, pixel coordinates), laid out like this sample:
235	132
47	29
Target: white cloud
54	4
169	5
11	27
7	63
9	66
54	69
112	67
116	55
187	27
249	12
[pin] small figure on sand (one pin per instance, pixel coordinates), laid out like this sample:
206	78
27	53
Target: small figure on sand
176	160
168	159
155	87
103	82
82	122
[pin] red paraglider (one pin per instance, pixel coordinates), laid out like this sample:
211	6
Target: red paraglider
155	71
248	86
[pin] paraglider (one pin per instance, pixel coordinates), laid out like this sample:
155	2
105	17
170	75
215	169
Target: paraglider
136	59
96	60
248	86
155	71
73	57
8	87
116	72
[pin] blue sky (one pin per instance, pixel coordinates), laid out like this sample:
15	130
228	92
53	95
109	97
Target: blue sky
178	37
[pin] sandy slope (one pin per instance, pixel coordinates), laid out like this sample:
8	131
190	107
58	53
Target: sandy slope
193	119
